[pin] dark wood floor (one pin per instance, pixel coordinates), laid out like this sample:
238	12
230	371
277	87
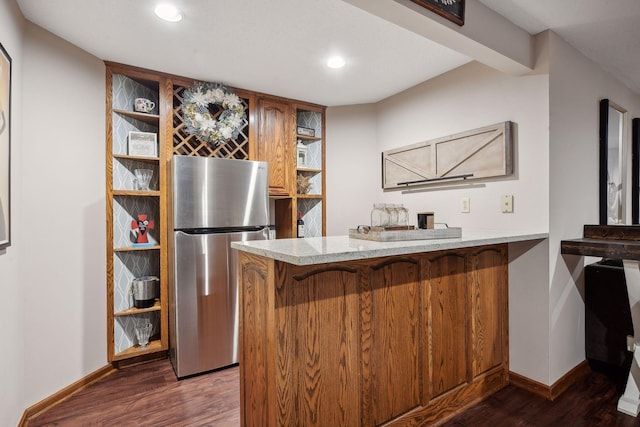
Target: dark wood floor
150	395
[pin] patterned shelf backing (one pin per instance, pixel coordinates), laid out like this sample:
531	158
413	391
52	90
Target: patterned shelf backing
190	145
312	215
312	208
129	265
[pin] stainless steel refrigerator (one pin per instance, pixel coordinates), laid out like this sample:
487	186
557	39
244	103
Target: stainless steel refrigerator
215	202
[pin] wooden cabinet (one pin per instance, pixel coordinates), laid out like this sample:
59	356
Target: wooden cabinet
126	201
268	134
404	340
273	145
277	144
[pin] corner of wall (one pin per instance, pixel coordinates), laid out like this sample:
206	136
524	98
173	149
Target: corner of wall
541	52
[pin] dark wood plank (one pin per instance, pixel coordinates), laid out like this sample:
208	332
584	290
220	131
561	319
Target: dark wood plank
589	402
612	232
149	395
621	249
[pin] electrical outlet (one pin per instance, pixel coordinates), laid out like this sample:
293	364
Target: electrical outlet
507	203
465	206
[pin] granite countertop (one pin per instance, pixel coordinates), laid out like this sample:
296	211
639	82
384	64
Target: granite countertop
320	250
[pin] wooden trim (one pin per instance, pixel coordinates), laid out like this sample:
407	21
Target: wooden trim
137	360
109	210
144	73
58	397
556	389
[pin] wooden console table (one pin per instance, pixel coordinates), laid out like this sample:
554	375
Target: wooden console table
621	242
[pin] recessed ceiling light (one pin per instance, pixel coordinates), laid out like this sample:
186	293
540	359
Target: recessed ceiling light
336	62
168	12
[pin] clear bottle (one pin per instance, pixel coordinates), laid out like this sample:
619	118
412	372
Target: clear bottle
379	215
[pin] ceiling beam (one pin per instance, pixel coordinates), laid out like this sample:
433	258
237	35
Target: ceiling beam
486	36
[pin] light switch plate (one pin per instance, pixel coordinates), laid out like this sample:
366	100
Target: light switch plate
465	206
507	203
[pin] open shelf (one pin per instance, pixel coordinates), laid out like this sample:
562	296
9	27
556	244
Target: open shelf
153	347
134	310
152	119
308	138
136	193
136	248
310	170
137	158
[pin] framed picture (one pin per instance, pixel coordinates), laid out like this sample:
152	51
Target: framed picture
301	154
635	171
5	148
143	144
453	10
611	186
306	131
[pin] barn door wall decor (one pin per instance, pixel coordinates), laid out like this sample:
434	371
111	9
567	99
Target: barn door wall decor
480	153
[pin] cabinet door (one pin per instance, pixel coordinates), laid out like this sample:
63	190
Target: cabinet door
488	280
273	144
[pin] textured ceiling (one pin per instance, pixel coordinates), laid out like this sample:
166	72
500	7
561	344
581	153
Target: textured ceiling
606	31
277	46
280	46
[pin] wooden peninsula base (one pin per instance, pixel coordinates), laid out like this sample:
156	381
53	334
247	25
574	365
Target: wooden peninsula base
398	340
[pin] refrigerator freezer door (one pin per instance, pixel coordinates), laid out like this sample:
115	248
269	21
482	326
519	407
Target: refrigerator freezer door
216	192
204	301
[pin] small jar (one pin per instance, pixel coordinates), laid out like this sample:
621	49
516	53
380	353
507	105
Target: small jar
379	215
393	214
403	215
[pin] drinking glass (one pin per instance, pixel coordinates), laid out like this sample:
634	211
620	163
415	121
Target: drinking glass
143	177
143	332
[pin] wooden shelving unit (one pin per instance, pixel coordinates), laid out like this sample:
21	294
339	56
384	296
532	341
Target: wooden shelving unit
125	202
268	134
311	205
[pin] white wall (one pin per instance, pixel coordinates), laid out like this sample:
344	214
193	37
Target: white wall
469	97
62	197
352	159
555	185
576	87
12	307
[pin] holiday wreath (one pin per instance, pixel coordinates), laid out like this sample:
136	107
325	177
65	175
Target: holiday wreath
199	119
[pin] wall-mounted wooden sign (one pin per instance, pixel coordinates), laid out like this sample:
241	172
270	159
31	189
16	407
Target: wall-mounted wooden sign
478	153
453	10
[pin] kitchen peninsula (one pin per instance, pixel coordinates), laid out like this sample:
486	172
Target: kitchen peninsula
340	331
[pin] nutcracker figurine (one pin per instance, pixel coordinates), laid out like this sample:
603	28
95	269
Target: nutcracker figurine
140	228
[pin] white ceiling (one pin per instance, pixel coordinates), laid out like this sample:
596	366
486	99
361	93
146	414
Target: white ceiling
280	46
607	31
